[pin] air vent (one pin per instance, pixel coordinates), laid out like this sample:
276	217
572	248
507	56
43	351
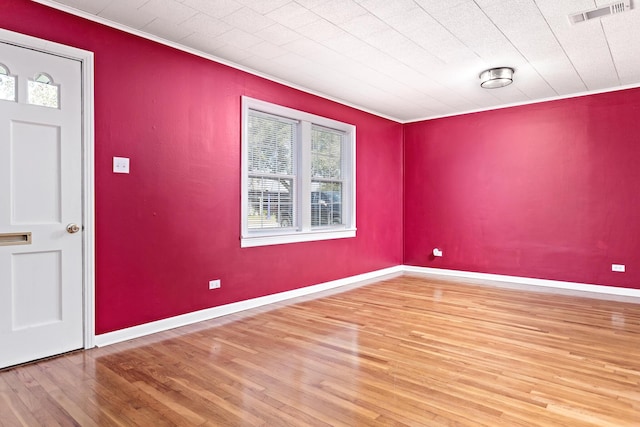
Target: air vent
621	6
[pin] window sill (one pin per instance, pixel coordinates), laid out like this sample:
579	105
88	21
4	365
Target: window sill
280	239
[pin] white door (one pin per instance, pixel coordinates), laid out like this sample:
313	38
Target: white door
41	301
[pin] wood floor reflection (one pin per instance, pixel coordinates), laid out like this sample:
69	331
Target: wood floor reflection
406	351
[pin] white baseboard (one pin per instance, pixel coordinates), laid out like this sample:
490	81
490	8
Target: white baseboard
486	278
527	281
211	313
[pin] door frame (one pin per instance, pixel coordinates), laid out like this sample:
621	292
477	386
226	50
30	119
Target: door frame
88	165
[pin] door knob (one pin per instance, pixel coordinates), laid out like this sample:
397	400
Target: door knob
73	228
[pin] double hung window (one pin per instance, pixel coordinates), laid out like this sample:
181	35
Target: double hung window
298	176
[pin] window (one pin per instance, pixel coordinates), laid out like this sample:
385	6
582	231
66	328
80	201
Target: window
42	91
7	84
298	176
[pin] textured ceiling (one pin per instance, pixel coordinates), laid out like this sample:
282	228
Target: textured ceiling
403	59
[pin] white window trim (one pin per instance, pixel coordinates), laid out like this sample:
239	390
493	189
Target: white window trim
305	233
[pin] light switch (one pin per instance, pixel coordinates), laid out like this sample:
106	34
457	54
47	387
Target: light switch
120	165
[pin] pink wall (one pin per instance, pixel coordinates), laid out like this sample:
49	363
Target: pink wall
549	190
173	224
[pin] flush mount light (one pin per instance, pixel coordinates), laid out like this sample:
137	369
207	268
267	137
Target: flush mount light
496	77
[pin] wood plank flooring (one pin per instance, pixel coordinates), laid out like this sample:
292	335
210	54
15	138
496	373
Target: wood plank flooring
408	351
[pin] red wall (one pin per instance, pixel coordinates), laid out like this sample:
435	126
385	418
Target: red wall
173	223
549	190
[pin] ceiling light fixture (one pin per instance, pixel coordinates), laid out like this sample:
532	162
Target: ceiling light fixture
494	78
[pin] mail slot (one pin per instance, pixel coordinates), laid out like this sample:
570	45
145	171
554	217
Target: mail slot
7	239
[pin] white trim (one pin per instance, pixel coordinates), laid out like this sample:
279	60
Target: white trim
521	103
211	313
88	248
516	280
88	186
296	237
598	291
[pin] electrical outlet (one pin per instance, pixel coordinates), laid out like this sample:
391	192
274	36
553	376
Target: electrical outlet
214	284
617	268
120	165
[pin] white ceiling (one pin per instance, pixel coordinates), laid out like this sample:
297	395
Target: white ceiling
402	59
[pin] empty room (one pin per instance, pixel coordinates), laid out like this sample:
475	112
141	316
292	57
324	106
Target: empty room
319	213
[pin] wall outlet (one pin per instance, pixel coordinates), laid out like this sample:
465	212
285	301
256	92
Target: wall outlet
617	267
214	284
120	165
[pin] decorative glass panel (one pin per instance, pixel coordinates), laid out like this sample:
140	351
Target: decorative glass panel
7	84
42	91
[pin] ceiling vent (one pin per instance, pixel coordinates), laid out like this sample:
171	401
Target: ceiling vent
621	6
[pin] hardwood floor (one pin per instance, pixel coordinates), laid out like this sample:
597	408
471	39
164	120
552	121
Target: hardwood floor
405	351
